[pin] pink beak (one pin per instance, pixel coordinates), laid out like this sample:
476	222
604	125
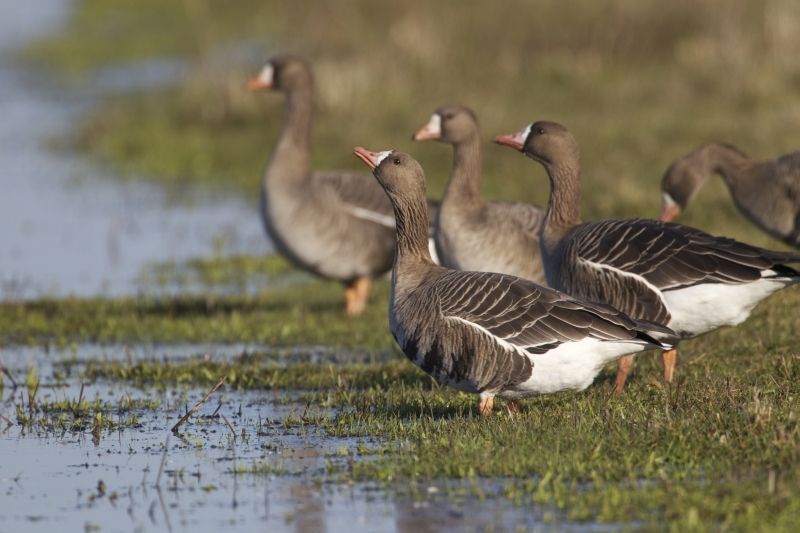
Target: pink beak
425	134
515	140
368	157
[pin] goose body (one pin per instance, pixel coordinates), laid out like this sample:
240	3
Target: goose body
335	224
674	275
686	279
492	334
766	192
469	232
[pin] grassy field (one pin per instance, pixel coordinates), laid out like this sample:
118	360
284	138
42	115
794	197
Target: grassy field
639	83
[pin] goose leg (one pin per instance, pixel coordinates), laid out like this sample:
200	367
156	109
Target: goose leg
355	295
623	369
486	405
669	357
512	407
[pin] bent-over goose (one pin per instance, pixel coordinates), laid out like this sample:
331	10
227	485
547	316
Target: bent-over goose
488	333
674	275
470	233
766	192
335	224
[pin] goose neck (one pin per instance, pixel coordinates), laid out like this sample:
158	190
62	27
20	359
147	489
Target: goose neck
463	188
563	208
291	159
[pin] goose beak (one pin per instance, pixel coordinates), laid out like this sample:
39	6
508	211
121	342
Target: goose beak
669	209
255	84
262	81
669	212
514	140
370	158
430	131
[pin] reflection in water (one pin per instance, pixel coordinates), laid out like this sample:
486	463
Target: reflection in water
309	509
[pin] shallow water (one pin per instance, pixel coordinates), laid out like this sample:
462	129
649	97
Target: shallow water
66	226
272	476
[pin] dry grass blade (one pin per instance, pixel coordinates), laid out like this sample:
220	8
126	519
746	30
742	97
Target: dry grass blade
197	406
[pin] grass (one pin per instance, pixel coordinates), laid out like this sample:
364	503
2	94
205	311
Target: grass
639	84
719	449
296	314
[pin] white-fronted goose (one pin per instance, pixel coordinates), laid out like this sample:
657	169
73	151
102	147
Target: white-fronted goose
766	192
674	275
488	333
335	224
470	233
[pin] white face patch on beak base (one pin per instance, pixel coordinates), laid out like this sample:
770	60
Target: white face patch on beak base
380	156
265	76
522	136
667	200
434	125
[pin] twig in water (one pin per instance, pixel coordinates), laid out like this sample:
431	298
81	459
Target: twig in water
76	409
234	503
163	460
5	372
194	409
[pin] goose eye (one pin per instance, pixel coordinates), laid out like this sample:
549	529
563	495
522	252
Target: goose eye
396	160
448	116
540	131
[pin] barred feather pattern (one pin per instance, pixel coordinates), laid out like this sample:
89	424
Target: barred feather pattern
629	263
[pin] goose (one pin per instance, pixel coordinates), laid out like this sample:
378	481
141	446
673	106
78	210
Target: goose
766	192
487	333
470	233
674	275
335	224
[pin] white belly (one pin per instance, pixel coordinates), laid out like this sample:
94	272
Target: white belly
702	308
571	366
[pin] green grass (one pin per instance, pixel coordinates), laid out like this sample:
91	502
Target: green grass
719	449
639	84
287	310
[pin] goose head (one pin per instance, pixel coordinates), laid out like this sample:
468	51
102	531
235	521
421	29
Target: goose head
450	123
680	183
399	174
282	73
546	142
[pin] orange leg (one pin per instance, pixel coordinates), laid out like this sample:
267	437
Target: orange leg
624	367
356	294
486	405
669	357
512	407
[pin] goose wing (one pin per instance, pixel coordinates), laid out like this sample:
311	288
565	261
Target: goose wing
358	194
362	197
523	316
628	263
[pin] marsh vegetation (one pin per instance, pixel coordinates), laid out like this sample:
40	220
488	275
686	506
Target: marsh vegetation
638	83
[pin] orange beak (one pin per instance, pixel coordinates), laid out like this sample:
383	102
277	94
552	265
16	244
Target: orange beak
256	84
669	212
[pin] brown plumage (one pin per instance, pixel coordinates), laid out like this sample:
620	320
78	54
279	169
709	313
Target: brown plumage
488	333
335	224
766	192
471	233
674	275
